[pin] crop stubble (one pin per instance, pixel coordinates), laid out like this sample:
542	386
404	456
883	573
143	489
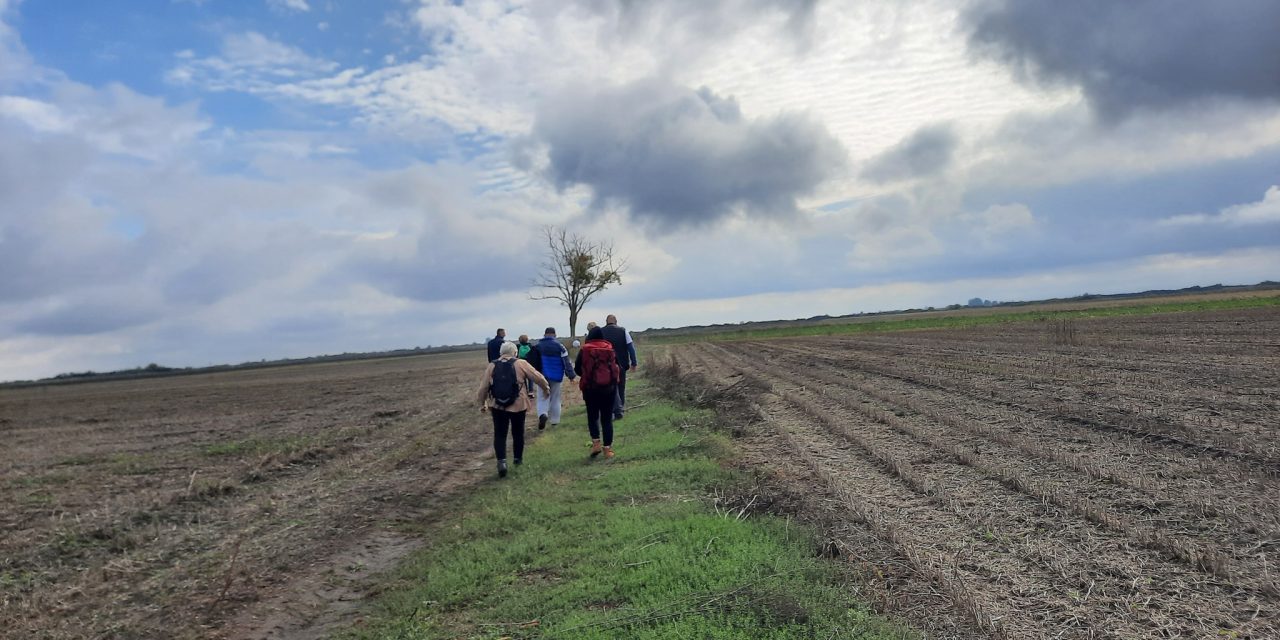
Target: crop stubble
1125	486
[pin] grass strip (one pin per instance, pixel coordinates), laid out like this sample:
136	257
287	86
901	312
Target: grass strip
965	318
568	547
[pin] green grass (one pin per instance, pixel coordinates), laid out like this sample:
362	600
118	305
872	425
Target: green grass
962	320
566	547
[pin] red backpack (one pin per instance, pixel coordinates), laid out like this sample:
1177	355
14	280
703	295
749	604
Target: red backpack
599	366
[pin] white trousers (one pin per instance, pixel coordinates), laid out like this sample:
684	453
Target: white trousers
549	404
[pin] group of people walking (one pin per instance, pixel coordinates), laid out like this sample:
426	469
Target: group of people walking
516	369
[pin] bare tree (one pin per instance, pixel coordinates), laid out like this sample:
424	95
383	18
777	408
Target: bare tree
576	269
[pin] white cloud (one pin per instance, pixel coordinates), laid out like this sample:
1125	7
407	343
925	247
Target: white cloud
289	5
38	115
249	62
1265	211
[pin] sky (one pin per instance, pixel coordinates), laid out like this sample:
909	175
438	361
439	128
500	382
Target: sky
192	182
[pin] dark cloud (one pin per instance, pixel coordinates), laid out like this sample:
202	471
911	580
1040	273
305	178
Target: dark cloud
1137	53
89	317
926	152
675	157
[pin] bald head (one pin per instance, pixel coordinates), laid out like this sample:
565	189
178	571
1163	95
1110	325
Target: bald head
611	319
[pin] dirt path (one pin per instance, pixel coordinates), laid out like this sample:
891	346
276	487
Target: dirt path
1029	522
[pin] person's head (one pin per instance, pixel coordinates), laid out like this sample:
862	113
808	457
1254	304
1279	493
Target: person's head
524	338
595	333
502	333
577	343
508	349
611	319
549	333
591	325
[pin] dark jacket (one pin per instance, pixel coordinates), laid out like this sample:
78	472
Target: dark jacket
625	351
495	348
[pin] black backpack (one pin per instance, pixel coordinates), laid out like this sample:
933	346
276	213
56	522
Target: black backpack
505	386
534	358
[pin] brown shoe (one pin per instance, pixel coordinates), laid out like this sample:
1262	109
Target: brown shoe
608	452
595	448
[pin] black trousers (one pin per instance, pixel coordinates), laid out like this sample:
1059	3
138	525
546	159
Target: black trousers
502	420
600	403
620	399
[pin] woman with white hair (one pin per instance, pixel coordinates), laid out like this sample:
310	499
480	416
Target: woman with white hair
502	393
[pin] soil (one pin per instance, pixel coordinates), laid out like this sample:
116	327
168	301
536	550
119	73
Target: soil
250	504
1017	481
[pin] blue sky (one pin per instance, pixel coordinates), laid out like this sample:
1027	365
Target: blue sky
202	181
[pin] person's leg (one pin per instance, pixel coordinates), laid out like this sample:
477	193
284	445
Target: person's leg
595	411
553	406
620	395
593	415
501	420
543	401
606	426
517	436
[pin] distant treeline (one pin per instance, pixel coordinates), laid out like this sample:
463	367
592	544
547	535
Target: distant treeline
154	370
972	303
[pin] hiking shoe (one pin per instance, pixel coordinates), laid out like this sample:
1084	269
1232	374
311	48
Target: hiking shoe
617	417
542	422
502	468
595	448
518	461
608	452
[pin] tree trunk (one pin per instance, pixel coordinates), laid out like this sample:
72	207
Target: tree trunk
573	325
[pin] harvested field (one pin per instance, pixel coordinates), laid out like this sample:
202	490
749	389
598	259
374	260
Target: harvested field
240	504
1113	477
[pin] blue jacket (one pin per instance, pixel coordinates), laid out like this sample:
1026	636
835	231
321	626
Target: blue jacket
555	360
495	348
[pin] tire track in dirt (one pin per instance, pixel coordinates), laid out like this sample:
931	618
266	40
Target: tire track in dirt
1047	402
1204	544
1238	503
1061	554
1171	402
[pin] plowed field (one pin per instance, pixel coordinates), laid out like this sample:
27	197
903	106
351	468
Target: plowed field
243	504
1115	478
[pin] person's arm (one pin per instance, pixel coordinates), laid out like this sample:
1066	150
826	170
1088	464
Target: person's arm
569	368
538	378
577	364
483	394
631	351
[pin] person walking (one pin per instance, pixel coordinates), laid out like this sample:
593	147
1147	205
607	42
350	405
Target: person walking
523	347
625	350
598	371
502	394
495	344
554	366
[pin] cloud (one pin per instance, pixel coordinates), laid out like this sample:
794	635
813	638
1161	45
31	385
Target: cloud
683	30
1265	211
1150	54
289	5
927	152
248	62
675	157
